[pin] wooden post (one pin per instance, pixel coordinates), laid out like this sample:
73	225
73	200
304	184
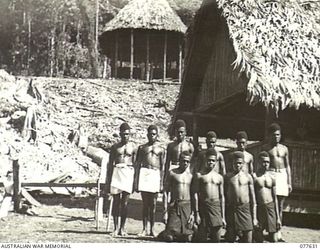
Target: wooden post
97	28
16	185
195	134
148	57
132	55
116	55
165	56
180	62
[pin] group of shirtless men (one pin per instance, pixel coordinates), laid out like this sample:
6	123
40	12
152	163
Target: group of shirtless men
202	194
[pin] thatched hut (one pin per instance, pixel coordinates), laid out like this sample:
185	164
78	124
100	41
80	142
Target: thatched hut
144	40
252	62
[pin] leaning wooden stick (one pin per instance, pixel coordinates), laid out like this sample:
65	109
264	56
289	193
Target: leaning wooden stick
110	213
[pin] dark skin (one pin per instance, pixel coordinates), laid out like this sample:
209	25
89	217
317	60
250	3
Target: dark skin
122	152
248	158
209	185
177	147
220	164
150	155
265	187
178	187
240	190
279	159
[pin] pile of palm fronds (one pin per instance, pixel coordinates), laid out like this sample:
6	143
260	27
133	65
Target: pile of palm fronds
277	44
147	14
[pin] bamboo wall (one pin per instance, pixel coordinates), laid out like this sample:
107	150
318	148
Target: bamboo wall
304	160
220	79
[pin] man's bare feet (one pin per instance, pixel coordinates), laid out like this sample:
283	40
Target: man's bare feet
115	233
122	232
143	233
152	233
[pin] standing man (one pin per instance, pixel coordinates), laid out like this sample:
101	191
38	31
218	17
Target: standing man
241	206
211	141
178	214
279	166
149	177
241	141
175	148
120	177
210	195
265	187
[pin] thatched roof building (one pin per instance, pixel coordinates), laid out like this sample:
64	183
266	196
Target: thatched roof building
144	31
265	52
249	63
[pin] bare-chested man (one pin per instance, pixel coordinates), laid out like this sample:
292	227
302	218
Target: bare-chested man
241	207
210	197
211	141
121	163
265	188
279	166
175	148
178	214
241	141
150	167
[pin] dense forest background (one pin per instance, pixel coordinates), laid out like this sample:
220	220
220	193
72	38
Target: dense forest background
60	37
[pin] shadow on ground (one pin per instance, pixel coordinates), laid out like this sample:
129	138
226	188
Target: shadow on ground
88	202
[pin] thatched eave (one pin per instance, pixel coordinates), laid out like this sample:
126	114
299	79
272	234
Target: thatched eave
278	46
146	14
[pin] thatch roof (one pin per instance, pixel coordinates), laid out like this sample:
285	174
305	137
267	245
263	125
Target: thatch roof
278	47
146	14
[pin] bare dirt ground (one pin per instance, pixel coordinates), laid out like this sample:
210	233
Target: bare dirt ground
71	220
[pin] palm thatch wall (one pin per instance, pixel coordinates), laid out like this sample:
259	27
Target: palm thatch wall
145	32
277	44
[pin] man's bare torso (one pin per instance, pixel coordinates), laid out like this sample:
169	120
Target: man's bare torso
238	188
263	187
151	156
277	156
124	153
180	184
209	185
248	159
176	148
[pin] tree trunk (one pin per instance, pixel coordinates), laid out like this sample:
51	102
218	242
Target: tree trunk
93	56
52	50
63	47
29	43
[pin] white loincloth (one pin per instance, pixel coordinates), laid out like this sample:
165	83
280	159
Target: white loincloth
122	179
281	177
149	180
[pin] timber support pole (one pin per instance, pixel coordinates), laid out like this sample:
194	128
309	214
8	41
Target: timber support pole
131	53
165	56
116	52
16	185
180	62
148	57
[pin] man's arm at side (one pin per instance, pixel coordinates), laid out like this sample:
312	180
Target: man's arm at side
109	170
288	168
275	199
253	200
162	166
167	164
222	166
222	201
137	165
